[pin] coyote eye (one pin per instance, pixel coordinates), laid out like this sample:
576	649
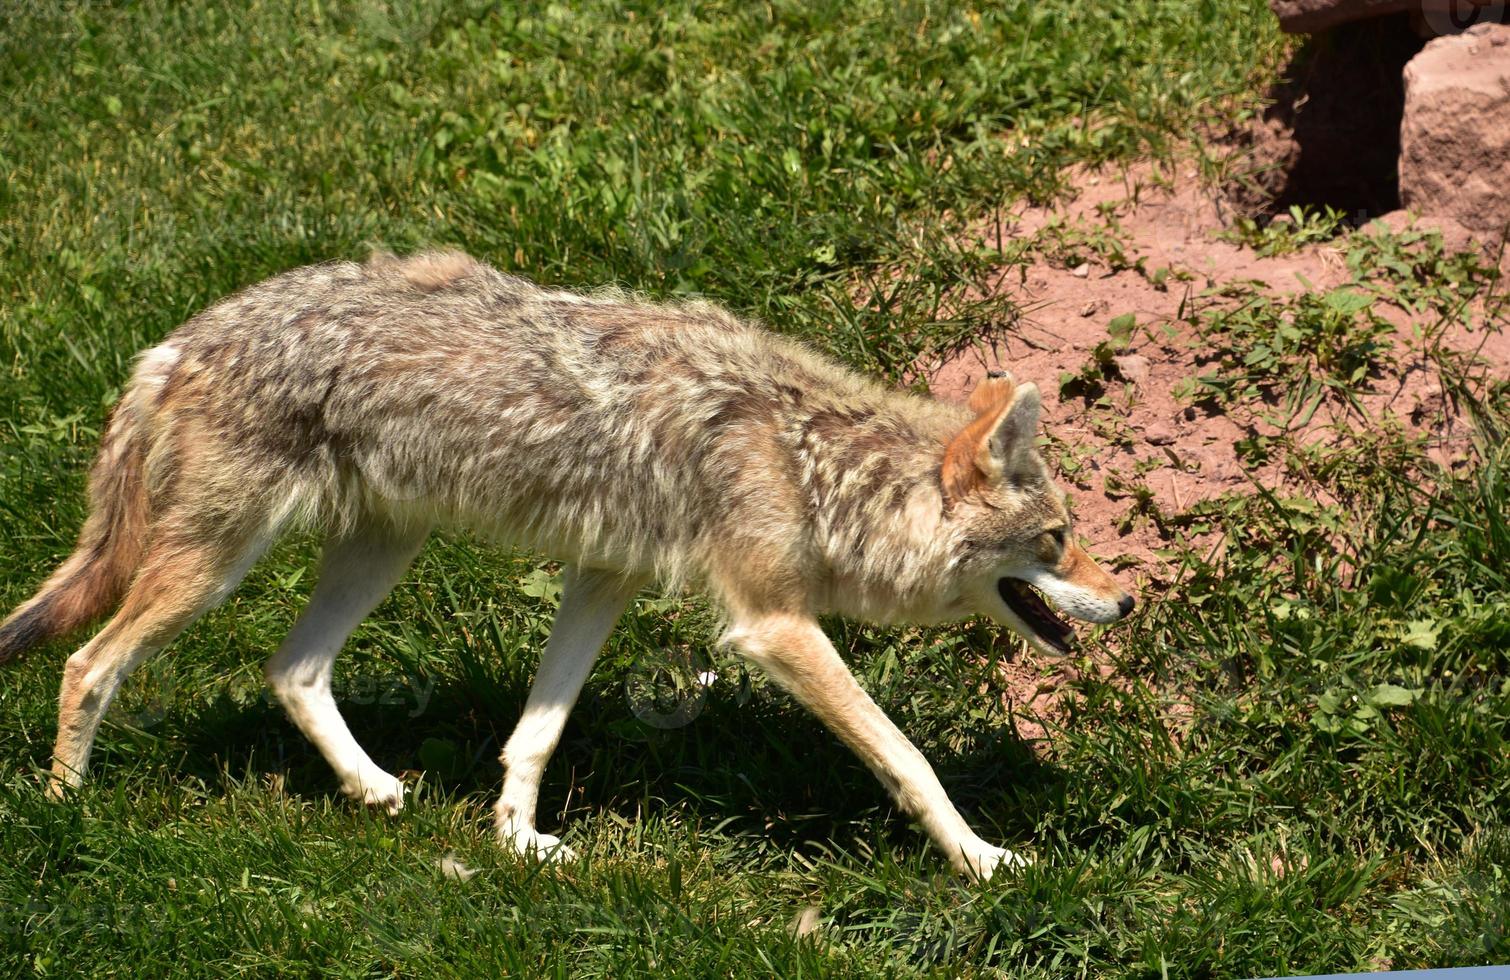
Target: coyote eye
1050	545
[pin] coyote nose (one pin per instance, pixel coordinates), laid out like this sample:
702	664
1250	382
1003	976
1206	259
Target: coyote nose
1127	605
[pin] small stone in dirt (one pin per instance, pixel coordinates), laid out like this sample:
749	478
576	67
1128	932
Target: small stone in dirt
1132	367
1158	434
1081	271
1091	309
1217	467
1429	404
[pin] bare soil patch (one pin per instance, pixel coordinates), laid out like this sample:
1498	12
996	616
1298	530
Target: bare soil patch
1167	221
1139	455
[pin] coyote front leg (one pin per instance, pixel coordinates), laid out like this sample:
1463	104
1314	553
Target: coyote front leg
591	602
794	651
358	571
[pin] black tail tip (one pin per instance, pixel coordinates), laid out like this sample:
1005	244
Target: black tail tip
25	631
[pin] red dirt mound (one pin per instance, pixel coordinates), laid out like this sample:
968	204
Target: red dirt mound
1139	447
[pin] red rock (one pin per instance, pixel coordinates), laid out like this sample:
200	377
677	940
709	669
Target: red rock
1133	368
1455	136
1313	16
1159	434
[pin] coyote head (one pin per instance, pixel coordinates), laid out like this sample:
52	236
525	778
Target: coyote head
1012	526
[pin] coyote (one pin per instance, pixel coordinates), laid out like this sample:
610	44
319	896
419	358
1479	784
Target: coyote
635	442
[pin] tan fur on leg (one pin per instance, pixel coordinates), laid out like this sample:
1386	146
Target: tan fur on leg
794	651
358	570
179	580
591	602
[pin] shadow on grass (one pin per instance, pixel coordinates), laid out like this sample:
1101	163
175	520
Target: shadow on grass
762	768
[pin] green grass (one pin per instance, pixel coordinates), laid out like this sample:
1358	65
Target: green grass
1288	232
1331	793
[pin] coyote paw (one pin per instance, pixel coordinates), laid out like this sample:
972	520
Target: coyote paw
378	790
57	789
982	860
60	783
532	844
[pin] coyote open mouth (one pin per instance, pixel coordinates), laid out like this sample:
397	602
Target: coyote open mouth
1029	607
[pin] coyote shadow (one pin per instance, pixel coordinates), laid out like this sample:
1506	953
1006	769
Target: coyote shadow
764	767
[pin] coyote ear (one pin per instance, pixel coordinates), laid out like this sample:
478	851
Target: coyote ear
1006	418
992	393
1014	432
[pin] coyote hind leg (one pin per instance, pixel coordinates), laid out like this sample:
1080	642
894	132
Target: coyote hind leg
591	602
357	571
181	576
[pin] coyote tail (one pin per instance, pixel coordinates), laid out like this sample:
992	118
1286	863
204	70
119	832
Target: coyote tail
95	576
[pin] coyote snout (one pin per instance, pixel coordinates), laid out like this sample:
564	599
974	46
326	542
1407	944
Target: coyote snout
634	442
1082	591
